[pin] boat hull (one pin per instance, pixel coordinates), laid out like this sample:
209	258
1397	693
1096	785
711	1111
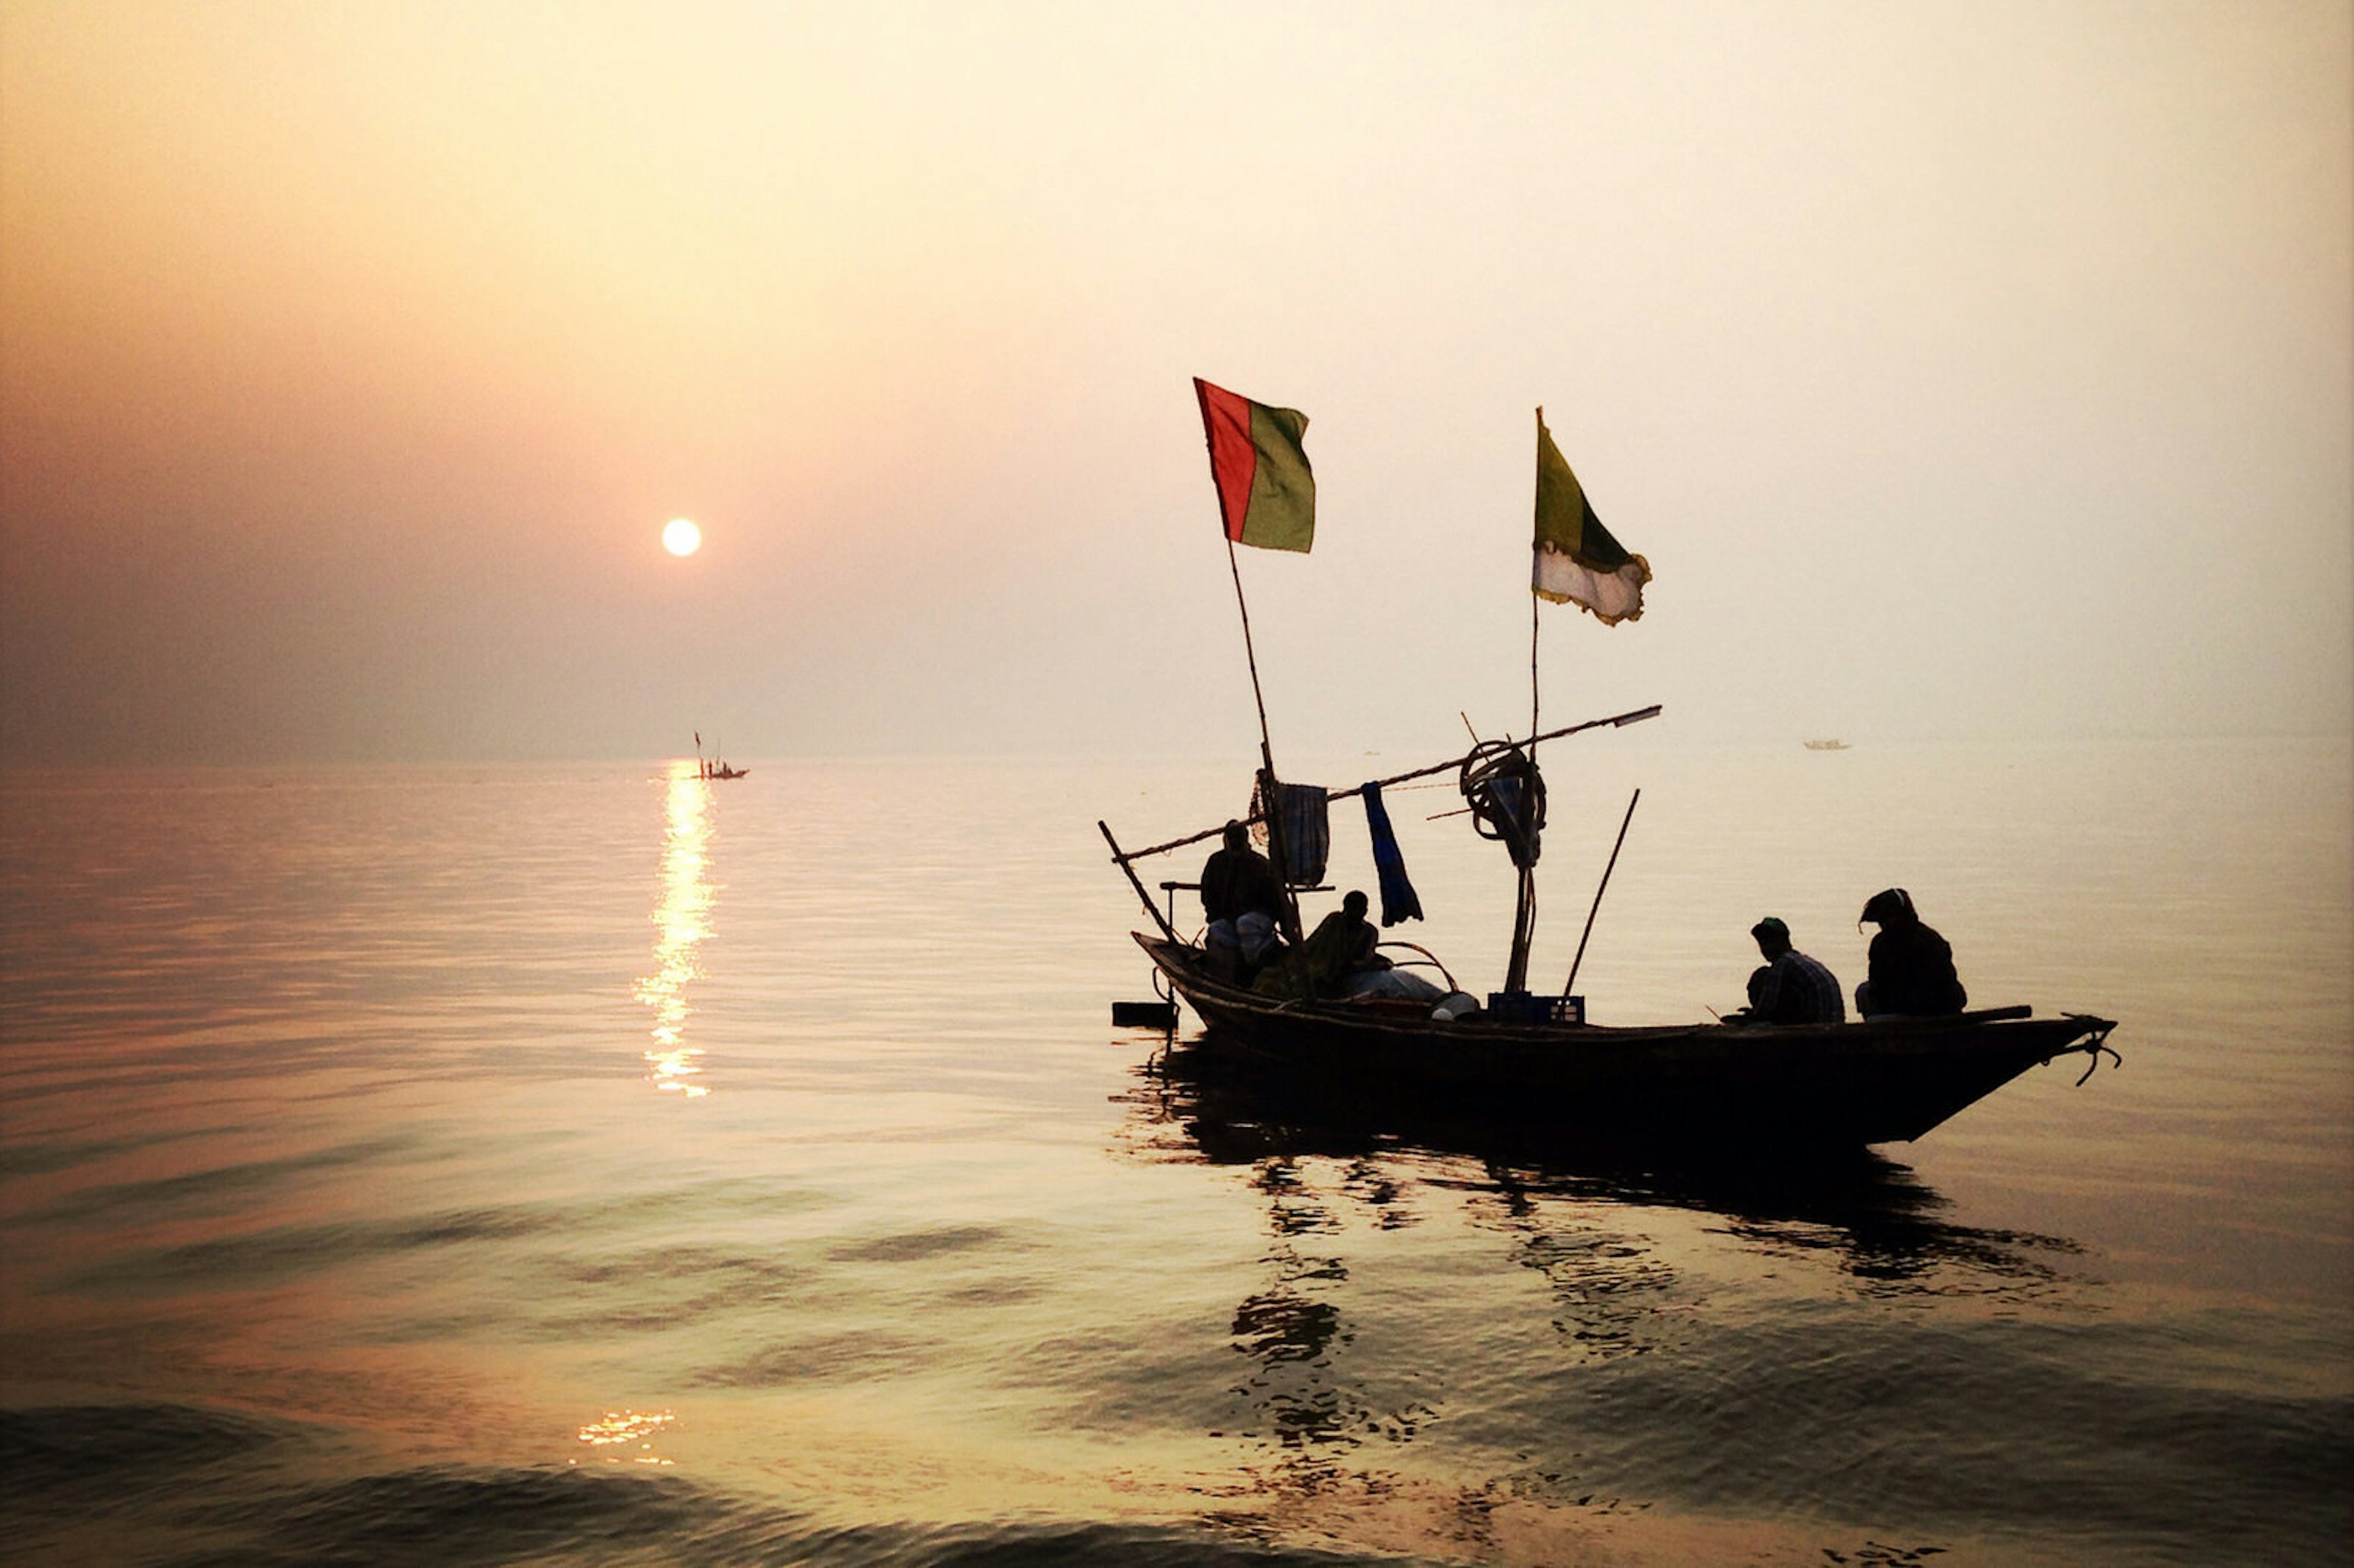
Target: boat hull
1885	1080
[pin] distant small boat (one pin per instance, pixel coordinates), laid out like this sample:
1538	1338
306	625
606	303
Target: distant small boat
712	767
1826	745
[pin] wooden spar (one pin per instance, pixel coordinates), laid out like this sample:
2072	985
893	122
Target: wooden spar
1635	716
1120	861
1274	819
1535	604
1524	899
1524	930
1524	913
1571	984
1250	654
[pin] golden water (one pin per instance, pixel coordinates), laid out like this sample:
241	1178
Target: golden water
598	1163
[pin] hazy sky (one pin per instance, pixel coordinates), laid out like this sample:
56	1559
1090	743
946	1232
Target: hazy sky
1962	370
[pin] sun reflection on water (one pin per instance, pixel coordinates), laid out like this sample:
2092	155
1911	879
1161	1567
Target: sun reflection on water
616	1429
681	920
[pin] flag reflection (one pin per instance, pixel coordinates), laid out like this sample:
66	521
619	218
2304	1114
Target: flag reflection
681	917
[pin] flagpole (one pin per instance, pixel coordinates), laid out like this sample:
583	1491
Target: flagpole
1524	911
1291	910
1250	656
1292	489
1535	604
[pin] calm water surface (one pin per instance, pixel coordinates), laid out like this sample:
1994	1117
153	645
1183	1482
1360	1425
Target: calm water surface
590	1164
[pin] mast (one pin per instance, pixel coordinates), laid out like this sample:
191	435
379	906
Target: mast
1274	812
1524	907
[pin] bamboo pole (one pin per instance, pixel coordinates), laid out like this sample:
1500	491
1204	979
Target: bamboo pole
1634	716
1524	898
1273	817
1535	605
1151	908
1250	656
1571	984
1524	910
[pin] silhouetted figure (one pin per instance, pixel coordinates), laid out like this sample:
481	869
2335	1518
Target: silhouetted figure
1912	968
1791	988
1240	899
1342	942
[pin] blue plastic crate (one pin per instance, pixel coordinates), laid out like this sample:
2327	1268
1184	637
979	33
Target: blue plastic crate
1528	1007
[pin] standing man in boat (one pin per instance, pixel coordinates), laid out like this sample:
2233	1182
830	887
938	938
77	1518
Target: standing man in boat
1912	967
1241	900
1791	988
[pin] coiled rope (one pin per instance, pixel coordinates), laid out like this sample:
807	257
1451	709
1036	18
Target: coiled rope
1506	793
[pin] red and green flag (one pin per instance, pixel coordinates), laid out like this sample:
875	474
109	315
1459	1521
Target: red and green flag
1265	491
1577	561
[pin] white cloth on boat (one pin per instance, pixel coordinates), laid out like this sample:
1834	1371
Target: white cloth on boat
1454	1004
1403	983
1251	933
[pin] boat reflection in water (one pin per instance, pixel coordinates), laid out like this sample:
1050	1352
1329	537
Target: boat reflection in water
1875	1217
1394	1300
682	920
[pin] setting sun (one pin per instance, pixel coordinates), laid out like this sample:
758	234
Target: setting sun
681	537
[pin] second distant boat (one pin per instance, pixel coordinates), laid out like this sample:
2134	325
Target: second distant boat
712	767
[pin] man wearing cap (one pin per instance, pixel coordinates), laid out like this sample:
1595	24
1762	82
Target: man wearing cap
1791	988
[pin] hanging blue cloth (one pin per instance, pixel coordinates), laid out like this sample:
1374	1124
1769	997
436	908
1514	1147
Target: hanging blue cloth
1399	901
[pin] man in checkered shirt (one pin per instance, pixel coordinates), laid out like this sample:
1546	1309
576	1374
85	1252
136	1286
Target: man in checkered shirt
1791	988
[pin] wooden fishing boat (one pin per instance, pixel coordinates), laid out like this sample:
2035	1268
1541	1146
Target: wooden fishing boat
1526	1057
1881	1080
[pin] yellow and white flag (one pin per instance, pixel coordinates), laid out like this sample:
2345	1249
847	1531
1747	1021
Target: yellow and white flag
1577	561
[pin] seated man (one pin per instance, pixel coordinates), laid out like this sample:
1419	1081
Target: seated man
1240	900
1791	988
1343	943
1912	968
